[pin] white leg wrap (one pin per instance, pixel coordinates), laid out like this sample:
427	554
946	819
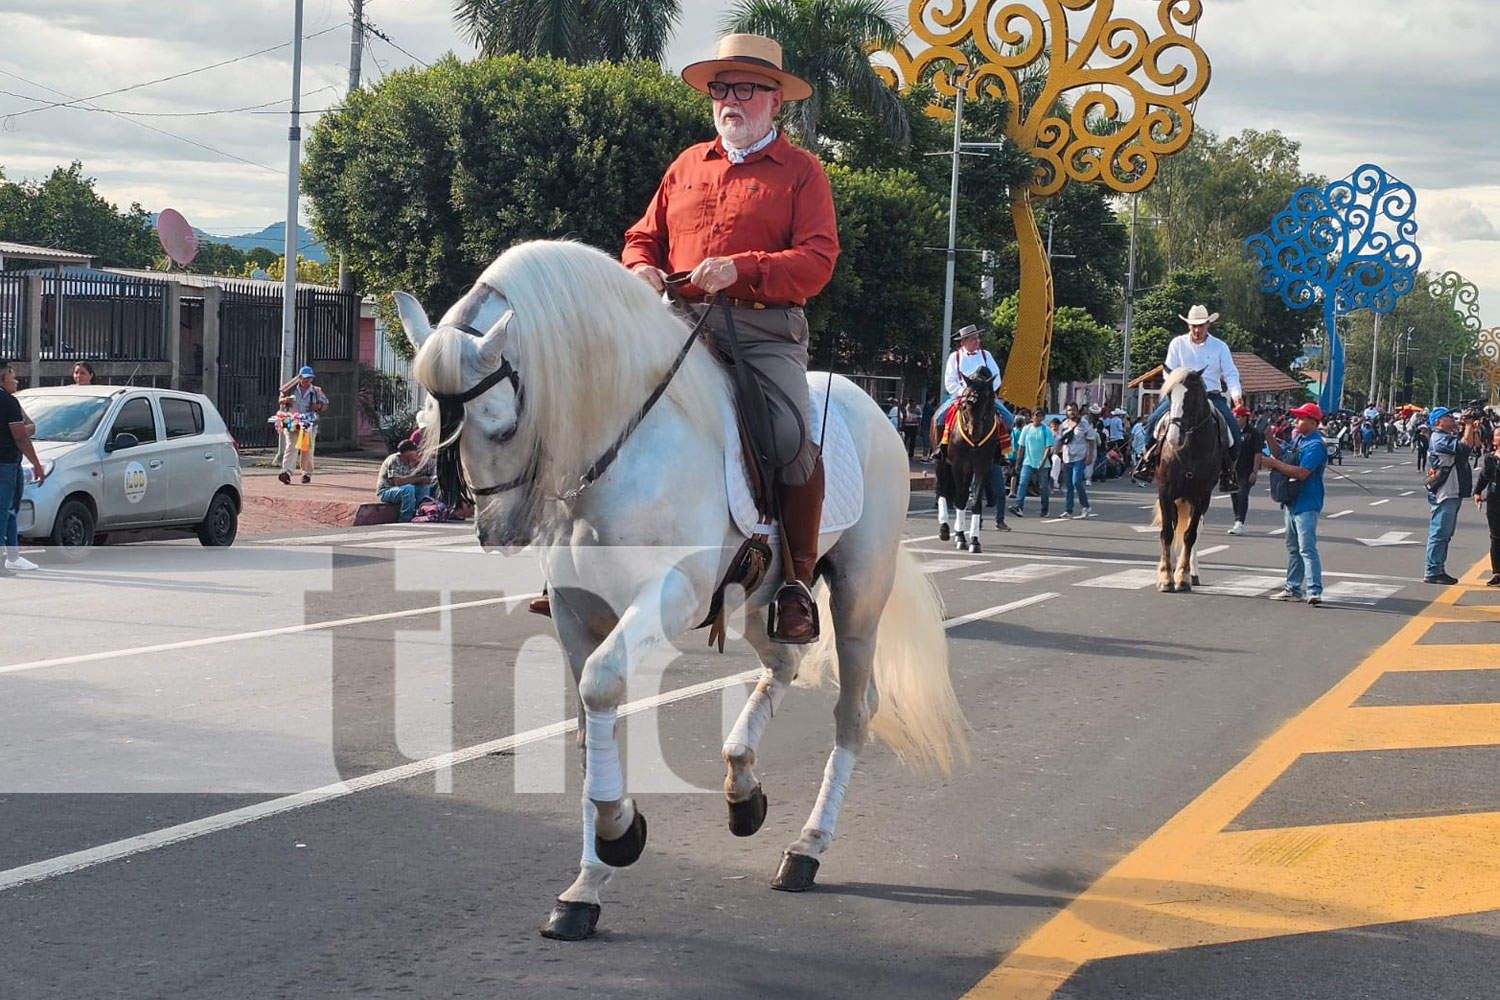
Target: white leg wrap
825	814
973	524
751	725
942	510
603	781
589	857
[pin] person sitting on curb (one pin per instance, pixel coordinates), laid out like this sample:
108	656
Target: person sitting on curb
403	480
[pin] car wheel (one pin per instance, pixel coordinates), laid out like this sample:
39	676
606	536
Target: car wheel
221	523
73	531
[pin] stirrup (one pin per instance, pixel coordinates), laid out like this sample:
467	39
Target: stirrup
803	628
541	606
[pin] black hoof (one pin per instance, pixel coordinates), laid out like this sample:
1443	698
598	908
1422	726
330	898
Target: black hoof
974	544
962	540
746	817
943	532
623	852
571	921
1167	588
1184	587
796	873
1197	582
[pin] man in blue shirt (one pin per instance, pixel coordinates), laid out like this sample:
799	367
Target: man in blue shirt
1450	479
1303	472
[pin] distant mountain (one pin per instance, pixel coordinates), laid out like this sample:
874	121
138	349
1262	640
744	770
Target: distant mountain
273	237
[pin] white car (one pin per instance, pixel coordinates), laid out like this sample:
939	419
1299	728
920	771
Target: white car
120	458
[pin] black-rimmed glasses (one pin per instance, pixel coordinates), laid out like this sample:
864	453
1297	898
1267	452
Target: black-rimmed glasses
719	90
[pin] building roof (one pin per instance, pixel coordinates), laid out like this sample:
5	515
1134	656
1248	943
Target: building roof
1257	375
46	255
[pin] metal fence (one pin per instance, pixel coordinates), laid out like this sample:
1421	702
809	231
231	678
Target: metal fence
250	356
14	342
103	318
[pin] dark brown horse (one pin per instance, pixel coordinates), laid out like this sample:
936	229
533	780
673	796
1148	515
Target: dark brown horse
965	468
1191	456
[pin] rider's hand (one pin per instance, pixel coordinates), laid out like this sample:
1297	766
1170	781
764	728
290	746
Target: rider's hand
715	274
651	275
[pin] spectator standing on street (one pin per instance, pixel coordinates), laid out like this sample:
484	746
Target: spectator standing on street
1450	478
15	442
1297	484
1033	450
83	373
1487	493
403	480
1251	442
306	406
1078	442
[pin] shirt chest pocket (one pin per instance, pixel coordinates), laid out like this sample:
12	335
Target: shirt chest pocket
755	198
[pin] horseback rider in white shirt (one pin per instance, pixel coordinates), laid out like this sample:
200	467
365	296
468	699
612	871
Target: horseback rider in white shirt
965	360
1199	350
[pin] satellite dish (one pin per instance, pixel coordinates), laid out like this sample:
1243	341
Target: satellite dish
177	237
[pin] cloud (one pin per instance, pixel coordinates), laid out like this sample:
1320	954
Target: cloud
1455	219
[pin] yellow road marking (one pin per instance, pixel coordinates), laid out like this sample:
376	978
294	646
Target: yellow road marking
1194	882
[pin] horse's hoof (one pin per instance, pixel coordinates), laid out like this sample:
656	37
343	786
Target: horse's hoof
943	532
623	852
1197	582
962	540
974	544
746	817
571	921
1166	588
1184	587
796	873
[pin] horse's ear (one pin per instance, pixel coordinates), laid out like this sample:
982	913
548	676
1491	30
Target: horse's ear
1202	370
413	319
493	342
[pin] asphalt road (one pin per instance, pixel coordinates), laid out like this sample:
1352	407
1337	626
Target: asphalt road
221	779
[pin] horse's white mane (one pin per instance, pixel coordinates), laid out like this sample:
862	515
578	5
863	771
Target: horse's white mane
590	340
1178	376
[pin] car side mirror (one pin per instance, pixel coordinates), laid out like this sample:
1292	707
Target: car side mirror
123	440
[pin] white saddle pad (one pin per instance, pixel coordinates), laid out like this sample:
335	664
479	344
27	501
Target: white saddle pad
844	475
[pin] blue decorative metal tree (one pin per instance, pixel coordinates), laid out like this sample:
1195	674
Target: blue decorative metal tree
1351	245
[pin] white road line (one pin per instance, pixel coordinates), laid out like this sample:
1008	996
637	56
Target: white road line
1024	573
1377	503
79	860
218	640
1367	594
1278	531
1101	561
1341	513
1129	579
924	538
1141	529
1410	493
1367	472
1384	467
1215	550
345	537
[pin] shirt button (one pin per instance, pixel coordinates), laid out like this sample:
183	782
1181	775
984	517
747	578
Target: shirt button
722	196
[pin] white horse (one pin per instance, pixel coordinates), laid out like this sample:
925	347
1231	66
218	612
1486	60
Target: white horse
551	357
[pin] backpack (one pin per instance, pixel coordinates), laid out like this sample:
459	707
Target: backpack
1284	489
431	510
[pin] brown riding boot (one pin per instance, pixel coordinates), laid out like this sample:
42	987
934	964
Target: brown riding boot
541	605
795	621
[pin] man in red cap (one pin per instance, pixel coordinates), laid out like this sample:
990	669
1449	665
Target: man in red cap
1248	464
1297	485
750	217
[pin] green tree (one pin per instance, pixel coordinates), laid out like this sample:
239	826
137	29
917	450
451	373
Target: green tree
1079	222
65	211
1081	346
828	44
309	272
426	177
217	258
579	31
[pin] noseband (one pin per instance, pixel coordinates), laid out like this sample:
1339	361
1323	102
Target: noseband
450	422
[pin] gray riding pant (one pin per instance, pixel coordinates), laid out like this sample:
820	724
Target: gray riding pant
773	342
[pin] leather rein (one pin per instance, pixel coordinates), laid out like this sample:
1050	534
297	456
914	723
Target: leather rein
450	409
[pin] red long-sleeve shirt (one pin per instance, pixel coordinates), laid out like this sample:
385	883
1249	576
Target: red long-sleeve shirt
772	215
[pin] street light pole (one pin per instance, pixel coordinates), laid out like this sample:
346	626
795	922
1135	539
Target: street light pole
960	73
294	142
1374	358
1135	208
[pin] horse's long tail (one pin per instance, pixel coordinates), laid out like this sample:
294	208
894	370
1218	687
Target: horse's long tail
919	716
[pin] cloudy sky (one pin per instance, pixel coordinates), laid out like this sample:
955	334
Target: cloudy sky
1410	86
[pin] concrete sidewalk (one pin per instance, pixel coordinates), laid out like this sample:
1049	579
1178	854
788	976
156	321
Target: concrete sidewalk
342	493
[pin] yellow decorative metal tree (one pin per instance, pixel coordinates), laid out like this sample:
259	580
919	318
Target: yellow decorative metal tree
1101	109
1489	361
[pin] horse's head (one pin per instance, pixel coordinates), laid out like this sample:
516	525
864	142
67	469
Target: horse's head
1190	408
474	411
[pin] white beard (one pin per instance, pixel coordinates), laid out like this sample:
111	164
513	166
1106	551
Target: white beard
744	131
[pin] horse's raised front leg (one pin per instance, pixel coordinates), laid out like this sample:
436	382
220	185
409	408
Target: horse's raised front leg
1167	512
747	801
943	522
976	512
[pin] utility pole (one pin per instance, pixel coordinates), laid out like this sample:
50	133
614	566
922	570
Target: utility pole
1135	208
294	144
961	72
356	51
1374	355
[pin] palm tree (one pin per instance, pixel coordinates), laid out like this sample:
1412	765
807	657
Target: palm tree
828	43
579	31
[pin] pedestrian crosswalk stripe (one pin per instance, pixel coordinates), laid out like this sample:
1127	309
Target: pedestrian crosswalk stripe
1242	586
1129	579
1377	503
1341	513
932	566
1368	594
1023	573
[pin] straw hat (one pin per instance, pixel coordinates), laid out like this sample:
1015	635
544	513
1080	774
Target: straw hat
969	331
1197	315
751	53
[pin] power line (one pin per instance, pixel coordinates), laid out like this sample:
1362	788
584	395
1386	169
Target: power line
164	79
163	114
372	29
152	128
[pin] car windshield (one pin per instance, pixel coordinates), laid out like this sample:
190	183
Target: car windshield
65	418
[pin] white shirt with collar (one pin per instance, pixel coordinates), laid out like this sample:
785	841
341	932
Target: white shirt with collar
961	363
1212	357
